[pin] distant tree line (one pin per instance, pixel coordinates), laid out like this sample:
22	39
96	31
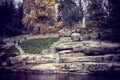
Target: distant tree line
105	22
40	15
10	19
69	12
115	17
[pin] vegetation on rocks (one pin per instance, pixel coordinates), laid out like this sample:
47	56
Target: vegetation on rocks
70	58
10	52
81	52
35	46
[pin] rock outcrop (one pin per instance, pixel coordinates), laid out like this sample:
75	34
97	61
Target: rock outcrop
66	56
90	47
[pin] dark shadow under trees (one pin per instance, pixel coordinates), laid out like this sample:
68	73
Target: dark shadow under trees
10	19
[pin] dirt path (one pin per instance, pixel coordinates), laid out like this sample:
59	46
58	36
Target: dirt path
21	51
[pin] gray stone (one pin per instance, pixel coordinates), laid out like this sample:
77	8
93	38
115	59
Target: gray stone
64	32
97	67
33	59
76	37
90	47
63	47
102	58
66	56
89	67
65	51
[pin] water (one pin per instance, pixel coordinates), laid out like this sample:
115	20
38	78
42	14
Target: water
28	76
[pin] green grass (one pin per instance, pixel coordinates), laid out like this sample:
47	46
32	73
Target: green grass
35	46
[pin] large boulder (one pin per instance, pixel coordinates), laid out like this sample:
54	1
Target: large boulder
76	37
97	47
64	32
90	47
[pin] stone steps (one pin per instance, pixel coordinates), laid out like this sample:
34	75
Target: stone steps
77	67
91	47
73	64
90	67
64	58
101	58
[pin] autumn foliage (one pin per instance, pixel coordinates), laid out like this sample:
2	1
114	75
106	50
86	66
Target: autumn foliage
40	14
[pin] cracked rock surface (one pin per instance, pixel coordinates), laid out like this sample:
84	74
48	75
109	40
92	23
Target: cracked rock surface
74	57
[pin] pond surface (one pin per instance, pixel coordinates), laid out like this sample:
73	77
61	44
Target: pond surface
28	76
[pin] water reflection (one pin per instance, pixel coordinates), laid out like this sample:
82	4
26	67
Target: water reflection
26	76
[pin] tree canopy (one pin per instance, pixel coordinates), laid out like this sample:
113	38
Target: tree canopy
40	12
70	13
10	19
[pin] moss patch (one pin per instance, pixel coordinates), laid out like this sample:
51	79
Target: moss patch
35	46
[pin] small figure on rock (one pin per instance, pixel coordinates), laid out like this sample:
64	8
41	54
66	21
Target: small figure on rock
14	41
75	36
19	42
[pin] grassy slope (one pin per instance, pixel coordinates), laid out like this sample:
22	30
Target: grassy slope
35	46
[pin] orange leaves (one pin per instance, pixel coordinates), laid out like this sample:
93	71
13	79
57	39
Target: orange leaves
28	3
41	7
48	2
51	29
28	18
59	24
51	3
41	15
45	2
39	25
40	3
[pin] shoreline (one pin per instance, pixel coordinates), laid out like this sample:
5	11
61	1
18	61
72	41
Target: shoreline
105	73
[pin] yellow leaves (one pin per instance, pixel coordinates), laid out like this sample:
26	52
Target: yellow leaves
48	6
39	25
59	24
52	9
28	18
48	2
45	2
28	3
39	3
46	29
40	9
41	13
51	3
42	27
51	29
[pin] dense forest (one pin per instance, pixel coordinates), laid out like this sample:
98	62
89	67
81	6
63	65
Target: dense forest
10	19
42	16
